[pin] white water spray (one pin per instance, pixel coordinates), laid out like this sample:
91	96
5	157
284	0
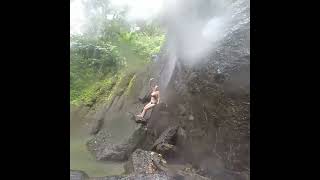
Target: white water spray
196	28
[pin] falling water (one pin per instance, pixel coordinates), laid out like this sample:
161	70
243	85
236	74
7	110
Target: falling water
195	32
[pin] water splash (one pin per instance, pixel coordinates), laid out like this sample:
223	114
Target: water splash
195	31
166	74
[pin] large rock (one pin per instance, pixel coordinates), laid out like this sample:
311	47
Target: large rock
145	162
119	177
103	149
158	176
153	165
78	175
148	165
166	140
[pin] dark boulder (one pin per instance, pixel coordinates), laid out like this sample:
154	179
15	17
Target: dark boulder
145	162
166	140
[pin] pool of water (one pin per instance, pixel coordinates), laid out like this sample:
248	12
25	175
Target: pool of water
81	159
119	126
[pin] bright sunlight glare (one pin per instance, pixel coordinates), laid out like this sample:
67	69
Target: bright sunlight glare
137	10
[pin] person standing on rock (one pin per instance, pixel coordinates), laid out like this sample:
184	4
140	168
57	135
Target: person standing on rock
155	99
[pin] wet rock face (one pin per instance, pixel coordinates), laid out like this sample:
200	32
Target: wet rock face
215	115
211	101
101	147
221	112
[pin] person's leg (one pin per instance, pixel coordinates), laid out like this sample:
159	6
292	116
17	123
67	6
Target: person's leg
146	108
140	115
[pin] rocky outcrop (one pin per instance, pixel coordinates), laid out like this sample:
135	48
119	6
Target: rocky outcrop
141	120
78	175
158	176
119	177
166	140
149	162
141	176
103	149
145	162
144	165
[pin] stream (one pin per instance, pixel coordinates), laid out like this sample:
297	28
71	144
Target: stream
81	158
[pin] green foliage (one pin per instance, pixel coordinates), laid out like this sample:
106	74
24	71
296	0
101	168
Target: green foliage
91	63
143	44
90	95
103	60
121	86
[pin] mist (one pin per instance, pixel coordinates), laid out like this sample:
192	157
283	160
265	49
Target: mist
196	27
139	10
136	10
